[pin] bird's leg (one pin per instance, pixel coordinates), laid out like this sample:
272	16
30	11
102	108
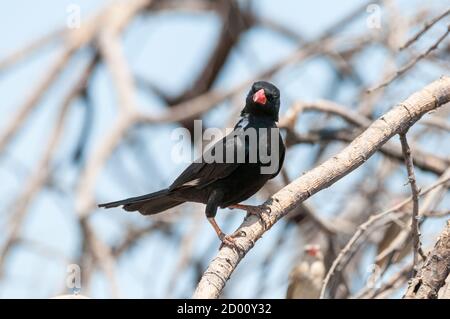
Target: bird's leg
224	238
254	210
211	210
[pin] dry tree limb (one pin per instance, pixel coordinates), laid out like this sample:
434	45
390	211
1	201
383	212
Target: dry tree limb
354	155
374	218
411	63
415	196
427	25
435	270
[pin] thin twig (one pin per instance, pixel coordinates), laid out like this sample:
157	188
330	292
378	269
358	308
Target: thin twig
365	226
411	63
415	199
427	25
354	155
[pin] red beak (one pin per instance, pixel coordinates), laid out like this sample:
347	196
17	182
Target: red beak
312	252
260	97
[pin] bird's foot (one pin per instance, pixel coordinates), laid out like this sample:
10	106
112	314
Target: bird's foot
228	240
261	211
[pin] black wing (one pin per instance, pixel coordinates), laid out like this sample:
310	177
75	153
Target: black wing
202	173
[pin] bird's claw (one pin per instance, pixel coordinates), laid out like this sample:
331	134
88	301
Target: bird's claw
257	211
228	240
261	212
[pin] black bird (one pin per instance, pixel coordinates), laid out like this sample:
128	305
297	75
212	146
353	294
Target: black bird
228	182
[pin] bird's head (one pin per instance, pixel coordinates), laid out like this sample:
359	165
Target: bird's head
263	99
313	251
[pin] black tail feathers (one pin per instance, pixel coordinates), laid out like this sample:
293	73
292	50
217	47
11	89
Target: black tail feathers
149	204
